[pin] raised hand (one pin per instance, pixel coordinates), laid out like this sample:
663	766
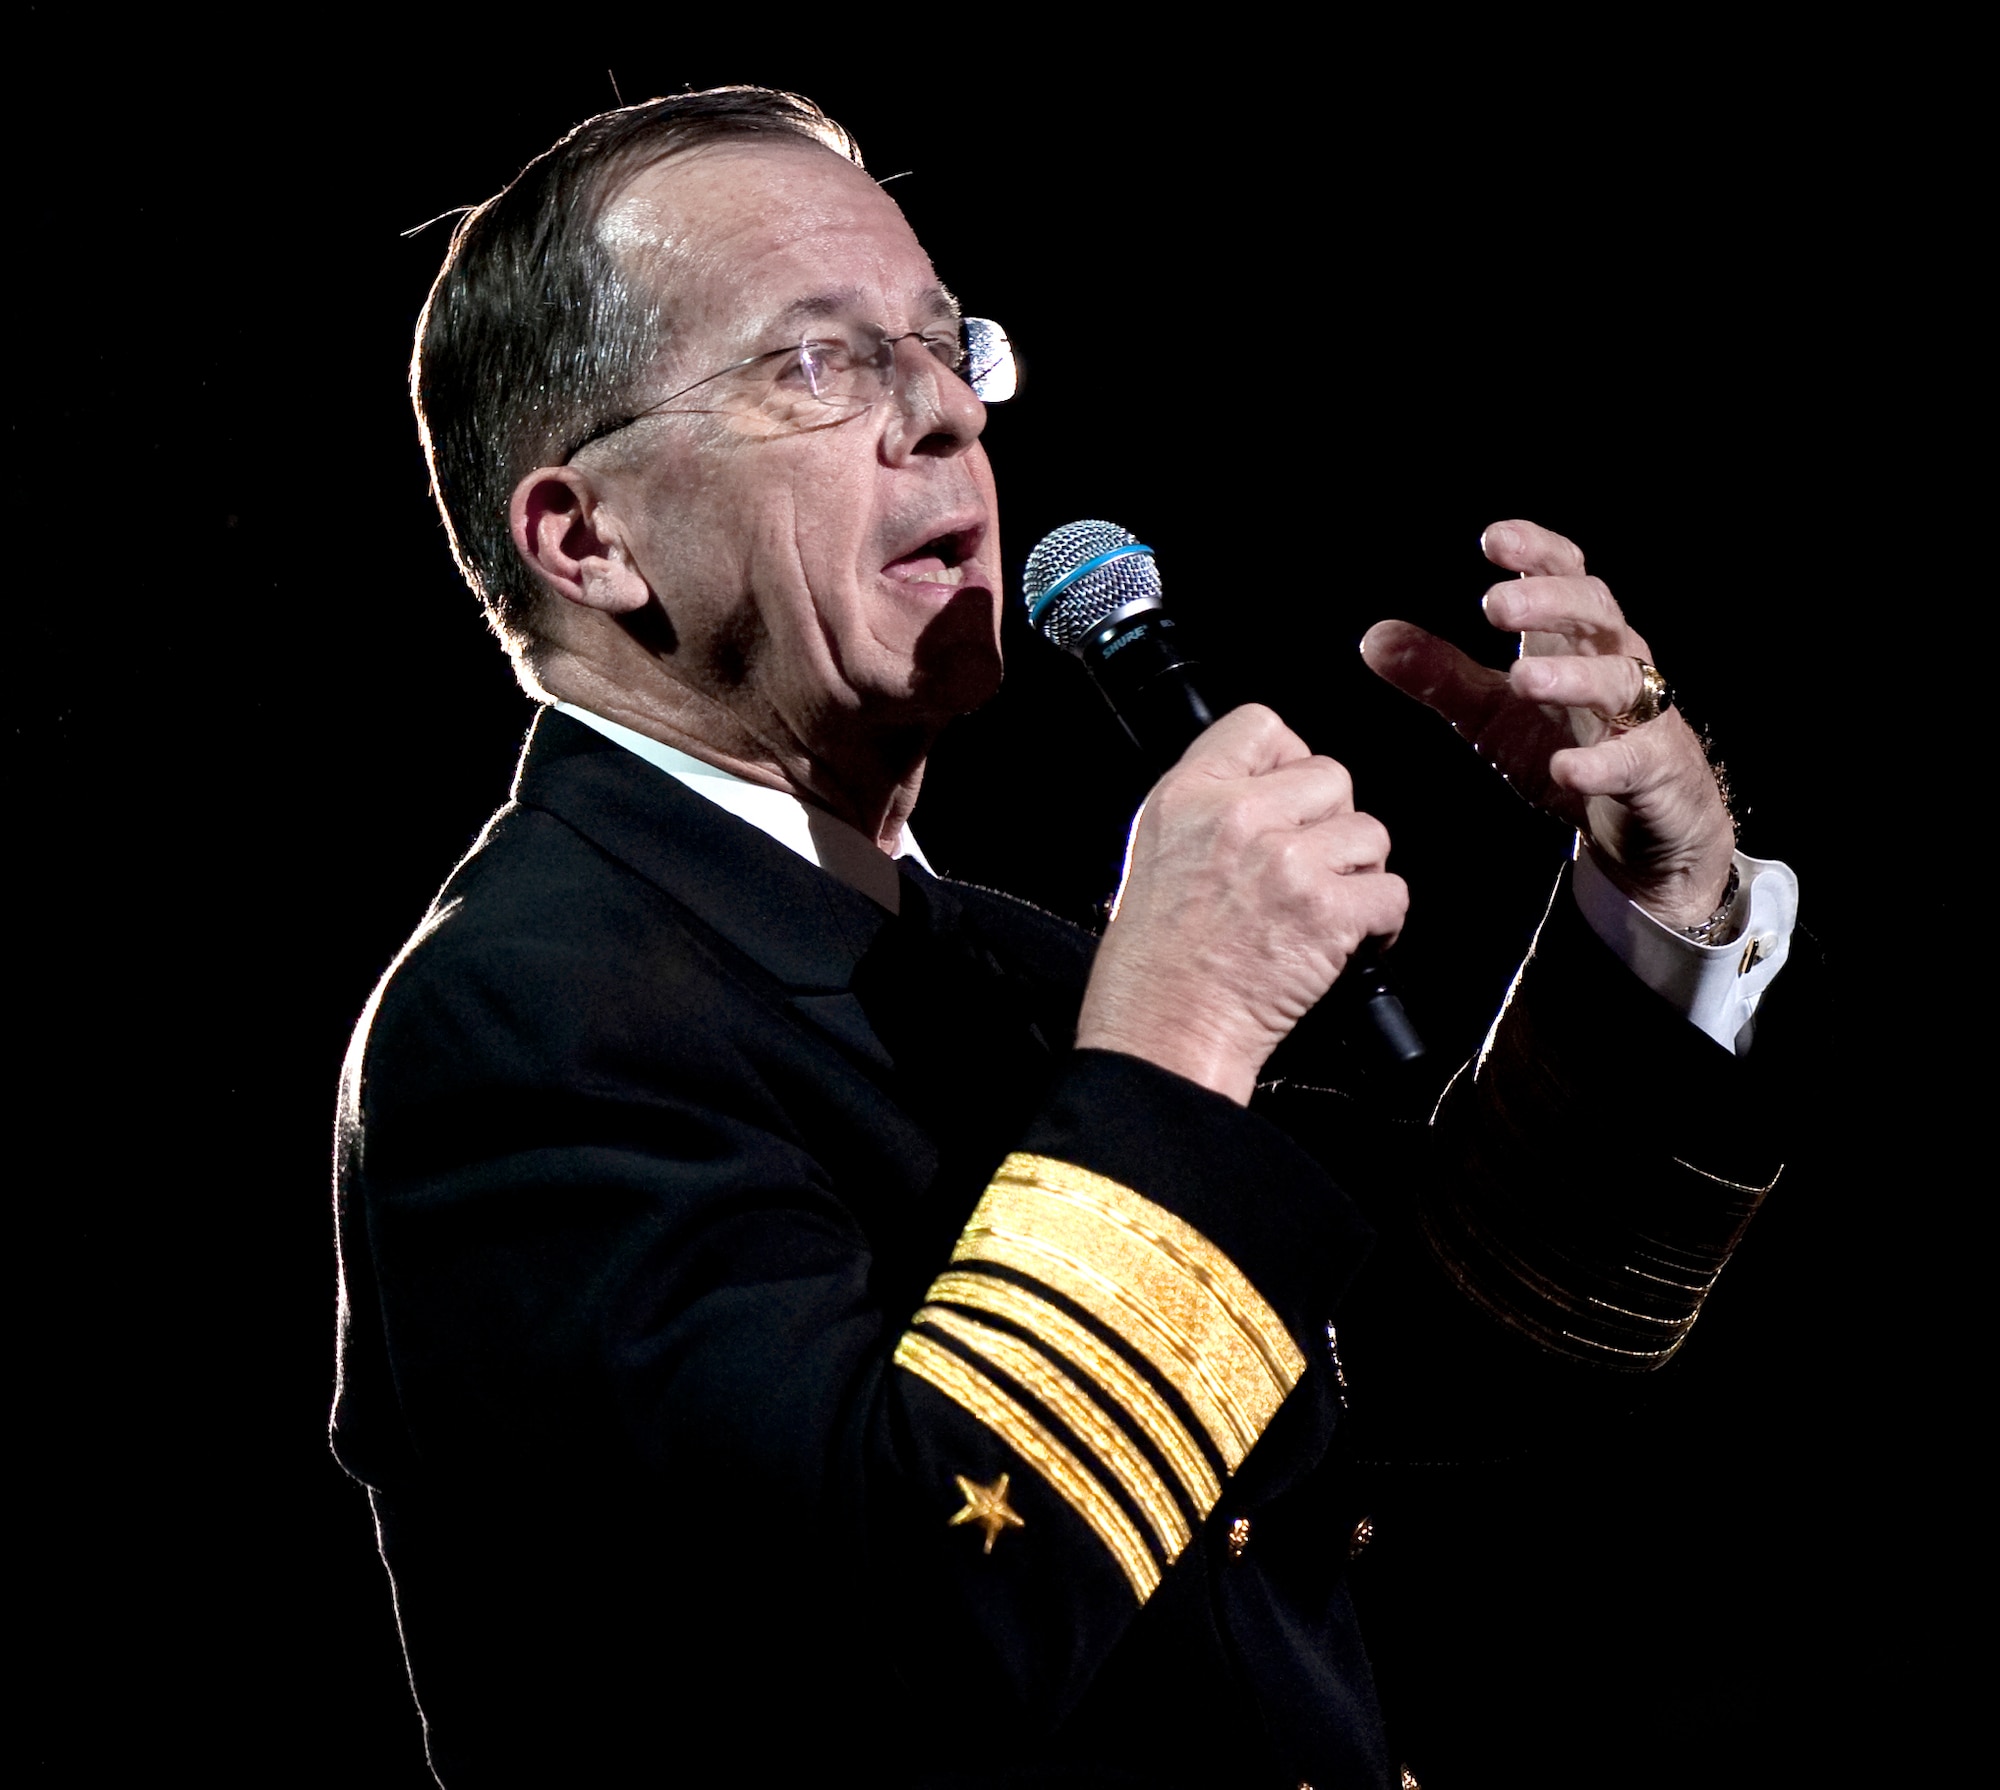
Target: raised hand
1643	796
1249	882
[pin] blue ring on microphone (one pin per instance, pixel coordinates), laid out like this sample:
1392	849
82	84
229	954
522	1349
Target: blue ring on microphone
1090	565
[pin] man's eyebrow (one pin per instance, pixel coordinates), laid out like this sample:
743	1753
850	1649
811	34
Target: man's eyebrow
937	302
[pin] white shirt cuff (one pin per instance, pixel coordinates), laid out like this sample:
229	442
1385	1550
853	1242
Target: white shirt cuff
1717	986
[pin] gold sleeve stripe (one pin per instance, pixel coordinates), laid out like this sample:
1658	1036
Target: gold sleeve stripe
1127	1389
1032	1440
1027	1366
1179	1242
1172	1353
1154	1280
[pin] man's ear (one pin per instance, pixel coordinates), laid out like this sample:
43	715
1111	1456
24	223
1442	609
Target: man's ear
571	540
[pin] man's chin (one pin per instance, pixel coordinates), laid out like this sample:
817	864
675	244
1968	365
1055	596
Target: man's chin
955	667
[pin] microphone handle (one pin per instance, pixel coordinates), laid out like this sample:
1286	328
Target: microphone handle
1147	676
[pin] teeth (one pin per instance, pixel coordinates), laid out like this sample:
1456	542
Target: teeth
939	575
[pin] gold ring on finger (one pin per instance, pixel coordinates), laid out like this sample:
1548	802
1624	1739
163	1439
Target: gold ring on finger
1656	696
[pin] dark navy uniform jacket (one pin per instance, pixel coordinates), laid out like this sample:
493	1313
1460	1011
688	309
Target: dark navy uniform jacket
776	1356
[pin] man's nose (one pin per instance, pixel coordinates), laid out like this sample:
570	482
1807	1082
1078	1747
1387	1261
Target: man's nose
933	411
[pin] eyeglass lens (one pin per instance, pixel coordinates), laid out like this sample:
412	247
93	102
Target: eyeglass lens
990	368
842	372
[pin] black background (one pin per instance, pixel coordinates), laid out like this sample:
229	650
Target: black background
1305	309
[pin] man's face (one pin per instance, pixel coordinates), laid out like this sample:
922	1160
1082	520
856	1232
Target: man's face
823	572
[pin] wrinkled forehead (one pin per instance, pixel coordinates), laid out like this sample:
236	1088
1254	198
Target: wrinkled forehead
742	239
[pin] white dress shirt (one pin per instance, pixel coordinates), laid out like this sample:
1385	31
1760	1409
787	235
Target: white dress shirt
1717	986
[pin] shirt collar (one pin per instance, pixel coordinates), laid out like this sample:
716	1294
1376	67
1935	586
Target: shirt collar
842	851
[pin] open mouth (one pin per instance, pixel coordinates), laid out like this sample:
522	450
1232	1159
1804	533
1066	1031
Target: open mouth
940	560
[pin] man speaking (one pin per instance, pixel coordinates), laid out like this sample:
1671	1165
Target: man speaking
801	1312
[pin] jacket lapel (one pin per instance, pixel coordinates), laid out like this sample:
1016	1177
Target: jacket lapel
919	1002
801	926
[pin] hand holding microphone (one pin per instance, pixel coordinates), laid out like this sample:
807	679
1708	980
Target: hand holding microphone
1251	882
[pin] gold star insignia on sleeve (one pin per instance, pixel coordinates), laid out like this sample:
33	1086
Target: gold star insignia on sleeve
987	1506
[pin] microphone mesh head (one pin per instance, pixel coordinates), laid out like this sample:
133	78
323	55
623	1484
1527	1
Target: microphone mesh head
1079	606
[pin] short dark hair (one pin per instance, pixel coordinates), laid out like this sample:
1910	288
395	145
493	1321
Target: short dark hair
534	333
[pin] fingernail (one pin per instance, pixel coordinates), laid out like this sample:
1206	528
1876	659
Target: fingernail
1499	536
1533	677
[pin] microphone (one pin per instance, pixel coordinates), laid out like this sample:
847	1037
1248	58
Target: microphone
1093	590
